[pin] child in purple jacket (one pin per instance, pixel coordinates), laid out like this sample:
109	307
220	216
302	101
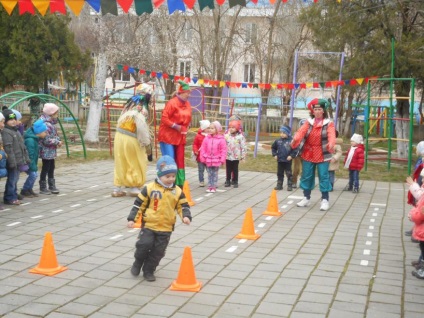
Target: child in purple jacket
213	154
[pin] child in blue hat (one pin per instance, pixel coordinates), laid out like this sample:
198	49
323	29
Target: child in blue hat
157	206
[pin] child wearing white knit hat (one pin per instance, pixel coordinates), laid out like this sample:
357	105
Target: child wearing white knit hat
354	161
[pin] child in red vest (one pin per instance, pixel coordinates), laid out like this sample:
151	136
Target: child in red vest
354	161
197	143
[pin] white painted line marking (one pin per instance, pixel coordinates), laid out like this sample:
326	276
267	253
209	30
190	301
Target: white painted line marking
268	218
371	227
368	243
13	224
208	195
290	202
116	236
75	205
107	196
372	220
132	230
198	199
23	204
367	252
94	186
57	211
375	214
284	206
369	234
4	210
364	262
295	197
61	195
378	204
231	249
261	224
77	190
242	241
91	200
36	217
44	199
219	190
376	209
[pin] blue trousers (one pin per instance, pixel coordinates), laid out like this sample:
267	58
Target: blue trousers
307	181
11	188
29	182
354	179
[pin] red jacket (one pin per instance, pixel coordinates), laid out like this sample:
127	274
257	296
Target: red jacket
357	162
197	143
178	112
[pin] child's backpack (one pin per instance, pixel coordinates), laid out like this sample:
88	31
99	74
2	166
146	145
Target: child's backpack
3	171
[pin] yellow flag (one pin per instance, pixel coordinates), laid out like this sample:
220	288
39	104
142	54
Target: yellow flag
41	6
360	80
200	81
221	84
309	85
75	5
9	5
274	86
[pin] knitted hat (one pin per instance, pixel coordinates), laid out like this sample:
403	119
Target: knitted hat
39	127
217	125
166	165
144	89
236	124
286	130
50	109
184	87
18	114
357	138
1	117
420	149
321	102
204	124
8	115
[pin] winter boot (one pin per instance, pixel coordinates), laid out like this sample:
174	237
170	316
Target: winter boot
52	186
348	187
419	273
43	187
227	183
33	193
289	185
279	185
26	193
235	184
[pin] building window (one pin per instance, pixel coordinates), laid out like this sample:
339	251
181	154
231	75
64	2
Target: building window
123	76
249	73
185	68
251	33
187	32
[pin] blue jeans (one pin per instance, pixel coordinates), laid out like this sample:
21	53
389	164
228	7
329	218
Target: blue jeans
11	188
201	170
29	182
354	179
212	176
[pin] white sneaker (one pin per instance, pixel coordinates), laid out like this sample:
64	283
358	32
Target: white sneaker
324	205
304	202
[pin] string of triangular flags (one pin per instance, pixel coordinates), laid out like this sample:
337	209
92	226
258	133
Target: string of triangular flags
111	6
220	83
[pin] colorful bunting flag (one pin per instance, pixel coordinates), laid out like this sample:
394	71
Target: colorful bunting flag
143	6
125	4
26	6
95	4
206	4
41	6
109	7
190	3
242	3
57	6
174	5
75	6
9	5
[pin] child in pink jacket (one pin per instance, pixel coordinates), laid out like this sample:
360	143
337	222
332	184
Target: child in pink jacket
213	154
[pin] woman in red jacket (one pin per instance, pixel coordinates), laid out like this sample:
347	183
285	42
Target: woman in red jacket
176	118
354	161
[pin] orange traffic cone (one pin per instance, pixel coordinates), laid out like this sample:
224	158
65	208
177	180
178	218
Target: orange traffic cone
272	208
186	190
186	280
48	262
248	229
137	225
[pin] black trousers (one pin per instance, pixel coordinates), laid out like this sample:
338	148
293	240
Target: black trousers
150	249
231	167
47	169
284	168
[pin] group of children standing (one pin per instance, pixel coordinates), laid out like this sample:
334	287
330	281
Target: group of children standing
19	152
212	150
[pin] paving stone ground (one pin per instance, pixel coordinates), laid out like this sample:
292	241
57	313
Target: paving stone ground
352	261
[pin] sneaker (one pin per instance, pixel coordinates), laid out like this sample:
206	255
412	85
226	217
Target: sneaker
408	233
20	197
33	193
235	185
117	194
149	277
227	183
324	205
209	190
419	273
305	202
348	188
213	190
25	193
201	184
134	192
355	190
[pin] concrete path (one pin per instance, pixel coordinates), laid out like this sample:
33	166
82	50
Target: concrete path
352	261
